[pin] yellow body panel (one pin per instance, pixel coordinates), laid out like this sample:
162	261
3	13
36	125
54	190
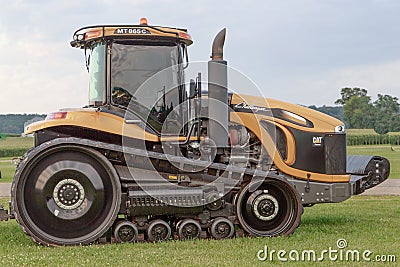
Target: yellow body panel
93	119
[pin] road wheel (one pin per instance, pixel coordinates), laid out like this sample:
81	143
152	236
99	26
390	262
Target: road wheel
125	231
158	230
189	229
222	228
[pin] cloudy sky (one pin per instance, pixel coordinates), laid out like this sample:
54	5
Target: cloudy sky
297	51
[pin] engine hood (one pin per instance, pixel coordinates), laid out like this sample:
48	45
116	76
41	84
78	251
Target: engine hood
292	115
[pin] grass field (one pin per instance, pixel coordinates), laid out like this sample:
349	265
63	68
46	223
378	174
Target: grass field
7	169
366	223
16	142
360	131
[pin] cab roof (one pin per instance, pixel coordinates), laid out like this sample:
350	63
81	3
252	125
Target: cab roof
143	31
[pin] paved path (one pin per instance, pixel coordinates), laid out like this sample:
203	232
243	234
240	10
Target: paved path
389	187
5	189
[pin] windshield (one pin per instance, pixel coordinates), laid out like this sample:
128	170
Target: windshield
145	79
97	74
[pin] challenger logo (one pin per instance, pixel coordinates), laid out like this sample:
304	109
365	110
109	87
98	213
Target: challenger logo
317	141
243	107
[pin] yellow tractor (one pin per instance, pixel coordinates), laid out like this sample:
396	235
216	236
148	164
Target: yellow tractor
153	157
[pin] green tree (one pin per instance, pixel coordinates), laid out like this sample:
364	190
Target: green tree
387	114
359	112
357	106
348	93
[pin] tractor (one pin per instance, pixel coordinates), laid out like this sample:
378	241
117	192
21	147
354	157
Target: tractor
156	156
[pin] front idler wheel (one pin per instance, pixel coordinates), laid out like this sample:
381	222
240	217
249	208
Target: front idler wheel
274	208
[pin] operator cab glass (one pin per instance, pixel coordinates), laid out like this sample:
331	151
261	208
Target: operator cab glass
146	79
97	84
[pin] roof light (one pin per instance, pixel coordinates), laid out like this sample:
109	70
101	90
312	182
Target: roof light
143	21
184	35
93	34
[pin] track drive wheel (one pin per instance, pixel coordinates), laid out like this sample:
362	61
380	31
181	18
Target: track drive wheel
158	230
65	194
274	208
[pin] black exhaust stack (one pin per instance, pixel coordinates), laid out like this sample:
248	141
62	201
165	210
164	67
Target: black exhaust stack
218	93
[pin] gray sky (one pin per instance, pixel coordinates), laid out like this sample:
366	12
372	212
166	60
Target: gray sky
297	51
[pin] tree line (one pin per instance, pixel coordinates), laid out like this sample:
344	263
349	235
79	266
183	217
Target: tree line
360	112
14	123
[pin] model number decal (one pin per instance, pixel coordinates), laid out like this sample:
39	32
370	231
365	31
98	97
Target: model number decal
131	31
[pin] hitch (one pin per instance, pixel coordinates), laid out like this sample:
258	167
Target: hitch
4	215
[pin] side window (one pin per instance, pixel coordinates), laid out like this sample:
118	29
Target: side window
97	86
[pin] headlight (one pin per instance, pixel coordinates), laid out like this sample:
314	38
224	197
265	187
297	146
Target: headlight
340	129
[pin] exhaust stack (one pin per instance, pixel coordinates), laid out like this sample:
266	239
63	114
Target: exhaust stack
218	93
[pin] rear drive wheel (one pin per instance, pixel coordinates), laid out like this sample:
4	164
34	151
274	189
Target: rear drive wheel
274	208
65	194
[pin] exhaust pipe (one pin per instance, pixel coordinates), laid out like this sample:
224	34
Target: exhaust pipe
218	93
218	46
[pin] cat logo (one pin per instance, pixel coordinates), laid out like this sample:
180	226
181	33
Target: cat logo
317	141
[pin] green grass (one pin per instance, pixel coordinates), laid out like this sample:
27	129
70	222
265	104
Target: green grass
7	169
366	223
390	152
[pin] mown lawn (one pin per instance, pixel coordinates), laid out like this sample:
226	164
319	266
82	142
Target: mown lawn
366	223
7	169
